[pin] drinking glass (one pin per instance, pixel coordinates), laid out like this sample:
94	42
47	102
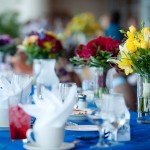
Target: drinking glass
110	117
116	104
64	89
19	121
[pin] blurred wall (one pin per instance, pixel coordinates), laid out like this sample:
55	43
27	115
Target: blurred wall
28	9
77	6
145	11
128	8
33	9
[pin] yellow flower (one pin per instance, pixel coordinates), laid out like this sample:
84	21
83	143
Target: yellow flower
146	33
123	55
30	40
132	29
131	47
137	43
144	44
130	35
126	65
48	45
51	33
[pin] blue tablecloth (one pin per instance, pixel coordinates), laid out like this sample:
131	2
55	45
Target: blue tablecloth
140	138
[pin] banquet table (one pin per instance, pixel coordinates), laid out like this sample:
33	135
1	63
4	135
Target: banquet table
140	138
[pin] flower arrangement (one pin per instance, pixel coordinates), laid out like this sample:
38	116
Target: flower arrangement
134	54
83	23
134	57
96	52
7	44
42	45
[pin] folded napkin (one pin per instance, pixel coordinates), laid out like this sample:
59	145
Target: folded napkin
16	85
51	110
12	84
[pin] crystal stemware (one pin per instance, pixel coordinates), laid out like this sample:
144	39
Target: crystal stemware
101	119
64	90
110	117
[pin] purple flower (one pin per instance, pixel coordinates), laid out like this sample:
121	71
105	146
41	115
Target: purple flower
5	39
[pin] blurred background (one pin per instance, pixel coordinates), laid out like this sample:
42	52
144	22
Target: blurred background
73	21
56	13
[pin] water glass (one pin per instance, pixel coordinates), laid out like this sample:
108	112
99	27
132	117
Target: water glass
109	116
19	121
64	89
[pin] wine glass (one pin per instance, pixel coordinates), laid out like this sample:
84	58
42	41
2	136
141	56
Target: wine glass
120	112
109	117
64	89
101	119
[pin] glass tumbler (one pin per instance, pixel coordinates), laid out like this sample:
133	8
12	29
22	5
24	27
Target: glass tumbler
19	121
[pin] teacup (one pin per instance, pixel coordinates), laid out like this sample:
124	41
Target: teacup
47	136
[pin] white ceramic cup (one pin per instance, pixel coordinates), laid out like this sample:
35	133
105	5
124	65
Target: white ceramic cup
46	137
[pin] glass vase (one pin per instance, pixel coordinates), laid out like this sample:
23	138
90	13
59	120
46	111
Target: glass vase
100	82
44	74
143	95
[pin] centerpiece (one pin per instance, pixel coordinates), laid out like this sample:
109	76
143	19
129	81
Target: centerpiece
134	57
43	48
7	46
81	28
95	54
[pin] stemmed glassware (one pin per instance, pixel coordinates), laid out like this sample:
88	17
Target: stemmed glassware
110	116
64	90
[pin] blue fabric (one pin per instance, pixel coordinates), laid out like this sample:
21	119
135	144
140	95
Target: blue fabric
113	32
140	138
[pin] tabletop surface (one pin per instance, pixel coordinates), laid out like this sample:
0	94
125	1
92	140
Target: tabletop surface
140	138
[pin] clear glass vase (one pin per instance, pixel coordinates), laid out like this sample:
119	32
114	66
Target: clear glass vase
44	74
100	82
143	95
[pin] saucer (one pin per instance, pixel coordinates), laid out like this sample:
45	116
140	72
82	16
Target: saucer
64	146
6	128
82	128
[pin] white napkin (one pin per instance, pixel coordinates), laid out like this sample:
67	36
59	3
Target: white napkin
51	110
47	75
16	85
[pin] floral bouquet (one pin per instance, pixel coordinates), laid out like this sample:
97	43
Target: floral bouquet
96	52
83	23
134	57
7	44
134	54
81	28
42	45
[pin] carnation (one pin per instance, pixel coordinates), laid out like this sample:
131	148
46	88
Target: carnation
96	52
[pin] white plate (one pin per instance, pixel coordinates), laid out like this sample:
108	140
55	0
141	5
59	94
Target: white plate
82	128
64	146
